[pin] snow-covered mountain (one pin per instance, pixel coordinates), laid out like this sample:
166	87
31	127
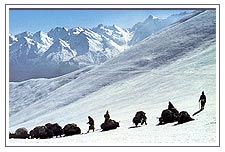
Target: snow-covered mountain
152	25
114	33
62	50
175	65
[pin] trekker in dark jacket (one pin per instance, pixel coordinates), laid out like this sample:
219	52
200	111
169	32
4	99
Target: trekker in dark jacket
107	116
202	99
91	123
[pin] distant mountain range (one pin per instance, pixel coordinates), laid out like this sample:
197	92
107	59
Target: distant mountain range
62	50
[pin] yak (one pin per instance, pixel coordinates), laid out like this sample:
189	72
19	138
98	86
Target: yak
55	128
108	125
169	115
19	133
71	129
41	132
184	117
140	118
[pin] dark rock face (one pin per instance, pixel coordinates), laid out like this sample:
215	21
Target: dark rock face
140	118
184	117
71	129
110	124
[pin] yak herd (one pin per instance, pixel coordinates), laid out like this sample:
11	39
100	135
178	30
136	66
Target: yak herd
54	130
47	131
172	115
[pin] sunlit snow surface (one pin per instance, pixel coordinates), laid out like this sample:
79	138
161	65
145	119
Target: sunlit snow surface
175	65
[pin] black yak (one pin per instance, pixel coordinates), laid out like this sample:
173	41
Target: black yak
166	117
140	118
169	115
184	117
55	128
110	124
20	133
41	132
71	129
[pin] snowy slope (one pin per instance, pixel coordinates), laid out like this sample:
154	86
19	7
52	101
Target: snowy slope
174	65
37	89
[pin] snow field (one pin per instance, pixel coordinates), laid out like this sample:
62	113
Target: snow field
161	68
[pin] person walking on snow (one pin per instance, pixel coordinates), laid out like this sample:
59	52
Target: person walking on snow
202	100
91	123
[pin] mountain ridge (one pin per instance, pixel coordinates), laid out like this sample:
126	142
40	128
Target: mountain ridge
85	47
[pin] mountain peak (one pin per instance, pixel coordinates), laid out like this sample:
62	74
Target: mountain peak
58	32
100	25
60	28
12	39
39	34
42	38
151	18
115	27
76	30
24	34
150	26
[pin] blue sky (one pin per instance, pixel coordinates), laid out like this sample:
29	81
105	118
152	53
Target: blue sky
44	20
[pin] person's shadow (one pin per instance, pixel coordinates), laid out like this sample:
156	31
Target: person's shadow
197	112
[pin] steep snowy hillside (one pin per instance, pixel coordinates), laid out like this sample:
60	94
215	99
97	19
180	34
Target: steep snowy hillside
37	89
174	65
